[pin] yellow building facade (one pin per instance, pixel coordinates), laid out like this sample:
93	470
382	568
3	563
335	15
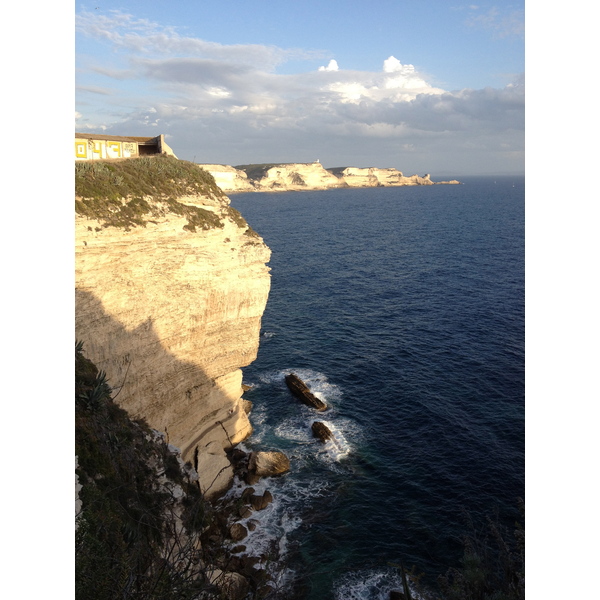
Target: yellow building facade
99	147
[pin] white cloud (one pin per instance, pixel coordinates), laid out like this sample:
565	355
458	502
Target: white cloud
94	90
143	37
332	66
393	65
229	103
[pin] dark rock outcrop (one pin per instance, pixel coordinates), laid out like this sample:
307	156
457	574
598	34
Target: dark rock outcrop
301	391
261	502
237	532
321	431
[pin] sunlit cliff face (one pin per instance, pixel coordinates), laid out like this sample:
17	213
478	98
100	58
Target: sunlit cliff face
172	315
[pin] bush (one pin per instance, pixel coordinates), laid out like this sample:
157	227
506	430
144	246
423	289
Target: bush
493	565
115	193
128	543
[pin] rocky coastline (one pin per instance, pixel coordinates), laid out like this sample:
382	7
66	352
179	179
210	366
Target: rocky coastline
202	547
171	285
287	177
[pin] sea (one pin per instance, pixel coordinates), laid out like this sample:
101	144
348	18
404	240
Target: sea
402	308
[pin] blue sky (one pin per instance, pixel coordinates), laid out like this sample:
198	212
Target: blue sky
423	86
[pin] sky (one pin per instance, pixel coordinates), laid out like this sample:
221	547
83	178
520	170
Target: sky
423	86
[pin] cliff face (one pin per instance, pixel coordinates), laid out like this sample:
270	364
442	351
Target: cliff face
298	176
374	177
307	176
230	179
171	311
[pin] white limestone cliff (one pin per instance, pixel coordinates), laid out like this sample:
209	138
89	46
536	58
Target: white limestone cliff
230	179
172	315
375	177
298	176
308	176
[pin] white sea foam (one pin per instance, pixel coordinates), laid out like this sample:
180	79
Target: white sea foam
274	524
267	335
316	381
338	447
375	584
298	490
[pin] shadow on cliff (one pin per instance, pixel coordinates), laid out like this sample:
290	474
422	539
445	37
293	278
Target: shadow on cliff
150	382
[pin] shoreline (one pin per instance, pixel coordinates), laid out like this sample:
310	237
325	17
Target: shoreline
309	177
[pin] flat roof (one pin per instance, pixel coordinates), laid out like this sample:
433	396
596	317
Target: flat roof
116	138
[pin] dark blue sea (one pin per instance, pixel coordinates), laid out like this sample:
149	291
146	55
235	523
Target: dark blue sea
403	309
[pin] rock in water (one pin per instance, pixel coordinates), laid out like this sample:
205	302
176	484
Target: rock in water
237	532
321	431
267	464
261	502
301	391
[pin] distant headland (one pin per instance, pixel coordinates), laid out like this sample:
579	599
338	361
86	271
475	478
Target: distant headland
273	177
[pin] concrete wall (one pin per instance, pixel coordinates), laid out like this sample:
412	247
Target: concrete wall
99	148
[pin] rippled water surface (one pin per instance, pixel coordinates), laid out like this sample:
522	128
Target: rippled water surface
403	309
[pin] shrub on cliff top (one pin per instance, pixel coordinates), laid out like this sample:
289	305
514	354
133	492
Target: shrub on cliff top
114	192
159	177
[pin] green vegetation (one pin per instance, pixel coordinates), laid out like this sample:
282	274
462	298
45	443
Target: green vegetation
115	192
124	525
159	177
138	537
493	565
239	220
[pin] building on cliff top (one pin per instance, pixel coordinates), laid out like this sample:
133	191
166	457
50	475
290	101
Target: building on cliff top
95	146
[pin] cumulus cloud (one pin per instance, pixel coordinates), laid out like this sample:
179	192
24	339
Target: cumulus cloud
230	104
332	66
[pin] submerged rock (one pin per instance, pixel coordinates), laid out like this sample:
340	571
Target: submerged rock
301	391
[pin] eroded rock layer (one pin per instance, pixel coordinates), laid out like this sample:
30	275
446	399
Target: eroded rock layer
172	314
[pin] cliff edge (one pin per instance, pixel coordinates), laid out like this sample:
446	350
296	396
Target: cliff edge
308	176
171	284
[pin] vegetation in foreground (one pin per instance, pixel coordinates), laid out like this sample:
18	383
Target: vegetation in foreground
144	530
123	526
493	564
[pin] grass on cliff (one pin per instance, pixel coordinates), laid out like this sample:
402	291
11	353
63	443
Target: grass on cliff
135	539
236	216
125	521
158	176
115	192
